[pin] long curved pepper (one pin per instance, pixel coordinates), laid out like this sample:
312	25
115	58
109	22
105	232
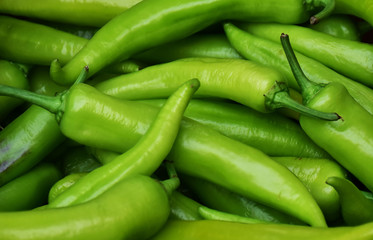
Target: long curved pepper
246	82
165	21
349	140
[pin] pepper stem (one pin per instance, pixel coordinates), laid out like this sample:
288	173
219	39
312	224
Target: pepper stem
309	89
173	182
279	97
327	9
51	104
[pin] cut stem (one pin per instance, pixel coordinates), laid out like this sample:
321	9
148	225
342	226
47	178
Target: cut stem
328	8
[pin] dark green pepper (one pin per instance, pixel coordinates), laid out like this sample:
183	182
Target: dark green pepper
26	141
11	75
29	190
356	208
222	199
338	25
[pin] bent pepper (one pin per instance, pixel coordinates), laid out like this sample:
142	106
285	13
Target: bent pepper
348	140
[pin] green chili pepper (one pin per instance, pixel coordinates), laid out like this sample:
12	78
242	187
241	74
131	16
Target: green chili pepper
272	55
165	21
78	160
197	150
197	45
347	140
350	58
11	75
338	25
29	190
33	43
85	13
313	172
135	208
356	208
144	158
358	8
220	230
248	83
271	133
222	199
63	184
41	83
26	141
212	214
184	208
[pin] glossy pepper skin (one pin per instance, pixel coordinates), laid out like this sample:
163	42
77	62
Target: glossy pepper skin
348	140
340	26
313	172
272	55
135	208
220	230
355	207
358	8
271	133
164	21
63	184
11	75
242	81
82	12
227	162
26	141
29	190
27	42
350	58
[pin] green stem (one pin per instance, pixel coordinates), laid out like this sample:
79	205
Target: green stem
309	89
51	104
279	97
327	5
173	182
285	100
82	76
170	185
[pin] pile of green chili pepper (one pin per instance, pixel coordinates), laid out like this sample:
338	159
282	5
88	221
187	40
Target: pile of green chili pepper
189	119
